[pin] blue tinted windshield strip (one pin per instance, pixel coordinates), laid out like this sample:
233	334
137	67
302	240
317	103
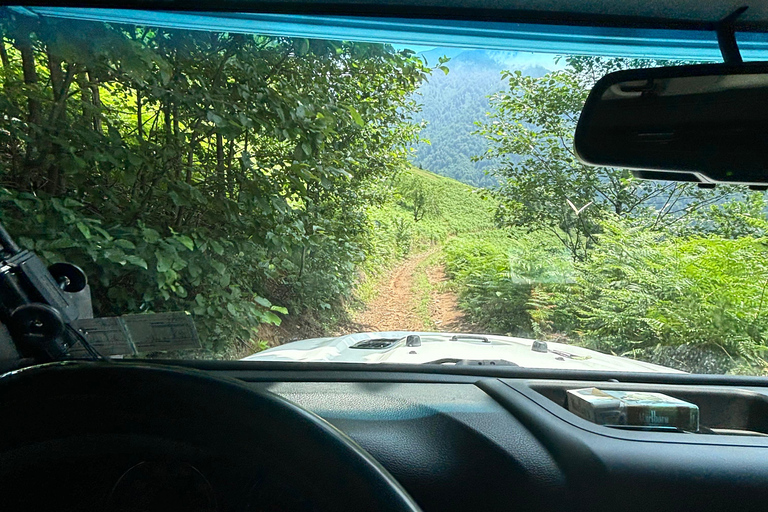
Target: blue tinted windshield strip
560	39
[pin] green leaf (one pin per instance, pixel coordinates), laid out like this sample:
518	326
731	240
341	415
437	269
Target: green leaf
272	318
214	118
303	47
356	117
164	262
217	248
194	270
84	230
124	244
28	243
177	199
231	308
219	267
135	260
279	309
186	242
116	256
262	301
150	235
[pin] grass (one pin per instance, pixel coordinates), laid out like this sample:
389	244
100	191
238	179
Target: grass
451	208
423	289
649	295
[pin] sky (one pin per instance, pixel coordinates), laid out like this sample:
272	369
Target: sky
520	59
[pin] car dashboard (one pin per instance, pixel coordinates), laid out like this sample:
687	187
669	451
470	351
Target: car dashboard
464	439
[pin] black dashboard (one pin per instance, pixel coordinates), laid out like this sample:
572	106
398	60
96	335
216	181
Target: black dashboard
453	438
494	442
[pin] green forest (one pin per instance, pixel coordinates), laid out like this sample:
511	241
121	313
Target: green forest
452	104
249	179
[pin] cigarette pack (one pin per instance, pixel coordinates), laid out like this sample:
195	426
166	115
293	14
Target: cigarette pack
633	408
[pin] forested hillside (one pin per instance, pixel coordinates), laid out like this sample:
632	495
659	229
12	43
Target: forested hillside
453	103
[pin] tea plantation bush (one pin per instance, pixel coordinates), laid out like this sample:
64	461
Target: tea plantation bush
452	208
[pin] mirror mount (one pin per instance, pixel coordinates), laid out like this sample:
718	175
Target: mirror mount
726	37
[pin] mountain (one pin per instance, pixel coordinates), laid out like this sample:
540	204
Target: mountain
453	103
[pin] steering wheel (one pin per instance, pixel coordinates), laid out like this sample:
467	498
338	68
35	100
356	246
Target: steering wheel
133	436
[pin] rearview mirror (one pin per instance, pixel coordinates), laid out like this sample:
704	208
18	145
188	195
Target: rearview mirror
703	123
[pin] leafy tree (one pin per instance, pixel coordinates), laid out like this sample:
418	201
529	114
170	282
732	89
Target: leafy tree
743	216
544	186
213	172
424	201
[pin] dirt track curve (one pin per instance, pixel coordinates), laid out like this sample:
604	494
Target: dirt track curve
395	305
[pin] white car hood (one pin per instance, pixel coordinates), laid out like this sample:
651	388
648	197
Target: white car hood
441	346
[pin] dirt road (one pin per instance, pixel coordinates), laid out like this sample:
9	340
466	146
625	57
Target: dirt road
413	297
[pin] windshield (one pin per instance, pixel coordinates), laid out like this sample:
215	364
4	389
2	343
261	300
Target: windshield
303	199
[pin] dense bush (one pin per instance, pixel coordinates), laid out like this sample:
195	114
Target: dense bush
696	303
641	290
212	172
501	273
131	269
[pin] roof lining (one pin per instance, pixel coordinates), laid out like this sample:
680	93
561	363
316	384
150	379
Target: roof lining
412	12
496	35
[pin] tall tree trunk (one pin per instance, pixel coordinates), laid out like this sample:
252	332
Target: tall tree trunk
167	121
190	161
154	131
60	83
14	169
171	164
4	56
57	83
230	171
85	97
175	112
57	75
179	156
139	121
96	101
219	163
188	180
24	45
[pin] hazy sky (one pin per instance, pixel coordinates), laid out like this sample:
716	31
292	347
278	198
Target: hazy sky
519	59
